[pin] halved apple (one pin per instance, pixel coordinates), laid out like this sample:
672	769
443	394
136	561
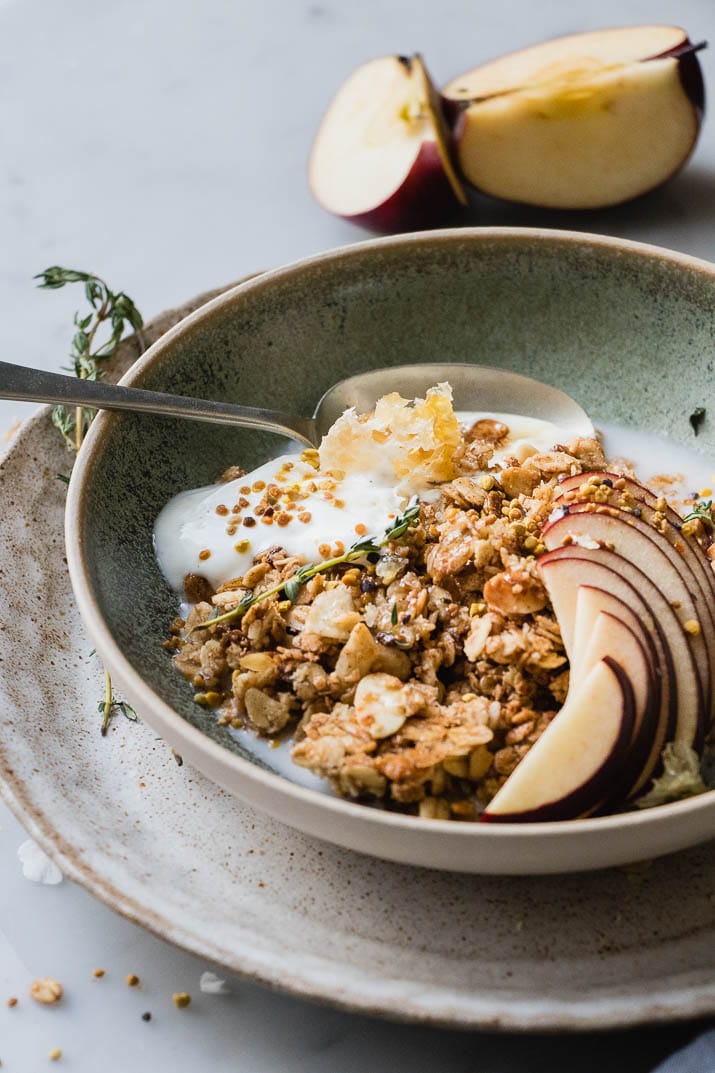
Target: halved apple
568	772
381	156
583	121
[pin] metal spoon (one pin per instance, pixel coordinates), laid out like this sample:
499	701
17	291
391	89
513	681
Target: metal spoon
475	387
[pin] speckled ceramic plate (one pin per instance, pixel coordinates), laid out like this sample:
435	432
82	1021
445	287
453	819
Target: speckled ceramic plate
165	847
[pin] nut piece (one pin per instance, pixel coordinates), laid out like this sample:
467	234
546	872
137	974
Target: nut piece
515	592
383	702
332	614
46	990
477	637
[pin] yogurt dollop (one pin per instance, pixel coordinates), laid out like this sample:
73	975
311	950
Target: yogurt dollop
217	531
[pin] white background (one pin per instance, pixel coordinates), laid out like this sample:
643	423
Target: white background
163	144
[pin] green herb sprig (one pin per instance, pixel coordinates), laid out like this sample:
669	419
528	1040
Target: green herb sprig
110	706
368	548
114	310
703	512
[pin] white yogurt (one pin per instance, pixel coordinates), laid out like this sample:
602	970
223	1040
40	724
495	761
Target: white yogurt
523	432
191	537
326	511
655	457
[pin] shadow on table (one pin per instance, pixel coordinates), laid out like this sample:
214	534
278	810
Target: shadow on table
684	205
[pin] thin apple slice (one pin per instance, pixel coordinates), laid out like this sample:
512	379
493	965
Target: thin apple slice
629	494
580	122
625	493
646	750
605	570
651	552
698	605
381	156
568	772
591	604
571	583
610	636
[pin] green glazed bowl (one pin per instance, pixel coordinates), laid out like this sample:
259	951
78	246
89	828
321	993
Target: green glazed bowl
628	330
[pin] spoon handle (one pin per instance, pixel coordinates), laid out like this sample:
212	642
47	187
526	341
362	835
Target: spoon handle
35	385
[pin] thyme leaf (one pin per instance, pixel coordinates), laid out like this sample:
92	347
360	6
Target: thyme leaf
367	548
110	706
703	512
112	311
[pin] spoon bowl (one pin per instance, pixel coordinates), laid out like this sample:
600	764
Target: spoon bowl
475	387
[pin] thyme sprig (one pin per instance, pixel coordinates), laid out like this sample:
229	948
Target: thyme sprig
114	310
110	706
703	512
368	548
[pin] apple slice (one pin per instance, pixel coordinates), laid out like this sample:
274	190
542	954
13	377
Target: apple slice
651	552
610	636
605	570
628	494
649	734
583	121
571	584
381	156
568	772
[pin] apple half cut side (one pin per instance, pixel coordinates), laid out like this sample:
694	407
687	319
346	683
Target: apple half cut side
381	156
580	122
568	772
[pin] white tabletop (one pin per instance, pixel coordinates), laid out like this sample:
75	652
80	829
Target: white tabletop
162	144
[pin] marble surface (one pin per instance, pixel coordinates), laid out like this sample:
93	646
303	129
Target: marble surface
163	144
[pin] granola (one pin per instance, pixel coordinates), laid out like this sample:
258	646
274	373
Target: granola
419	677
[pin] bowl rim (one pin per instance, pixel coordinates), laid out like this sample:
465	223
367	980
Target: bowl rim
182	734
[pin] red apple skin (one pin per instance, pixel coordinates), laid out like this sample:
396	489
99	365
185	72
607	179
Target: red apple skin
584	799
690	72
645	729
609	524
650	595
692	548
674	547
425	199
594	574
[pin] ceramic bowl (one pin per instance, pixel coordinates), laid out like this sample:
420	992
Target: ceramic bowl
626	329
